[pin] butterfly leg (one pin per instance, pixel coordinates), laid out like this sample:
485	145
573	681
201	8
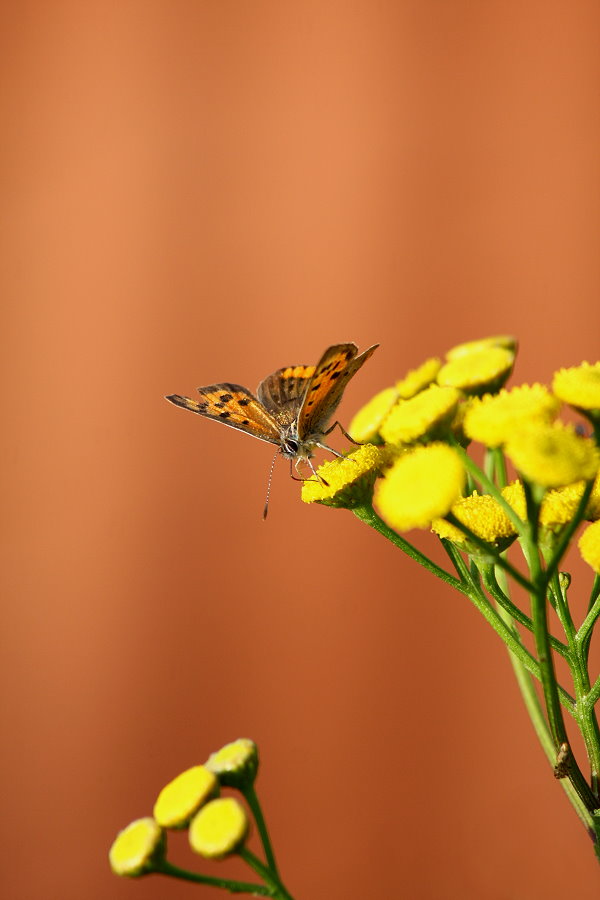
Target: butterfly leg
344	432
309	461
335	453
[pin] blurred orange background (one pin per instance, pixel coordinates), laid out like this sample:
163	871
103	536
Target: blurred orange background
200	192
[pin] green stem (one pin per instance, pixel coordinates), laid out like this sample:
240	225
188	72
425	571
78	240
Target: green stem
550	685
234	887
501	627
368	515
277	889
513	611
584	635
252	800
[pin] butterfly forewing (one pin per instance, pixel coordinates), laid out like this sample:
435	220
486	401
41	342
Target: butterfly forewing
332	373
282	392
235	406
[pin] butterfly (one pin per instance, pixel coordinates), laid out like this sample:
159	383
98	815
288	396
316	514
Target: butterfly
292	407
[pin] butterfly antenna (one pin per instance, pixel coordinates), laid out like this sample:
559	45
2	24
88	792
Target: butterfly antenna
266	509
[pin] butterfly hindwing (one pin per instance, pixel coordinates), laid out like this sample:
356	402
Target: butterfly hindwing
332	373
235	406
282	392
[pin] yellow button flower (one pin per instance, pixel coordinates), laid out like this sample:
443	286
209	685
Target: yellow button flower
589	546
416	380
365	425
553	455
349	480
493	418
429	414
507	341
484	516
579	386
219	828
422	485
137	848
235	764
478	372
560	504
182	797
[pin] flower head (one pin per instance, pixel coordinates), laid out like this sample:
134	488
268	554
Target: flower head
429	414
182	798
421	485
553	455
365	425
482	515
219	828
348	481
416	380
579	386
480	371
235	764
589	546
493	418
500	340
137	848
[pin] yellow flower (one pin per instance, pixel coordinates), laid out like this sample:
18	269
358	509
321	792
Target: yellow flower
579	386
553	455
589	546
365	425
560	504
348	481
484	516
416	380
500	340
478	372
429	414
137	848
182	798
219	828
421	485
492	419
235	764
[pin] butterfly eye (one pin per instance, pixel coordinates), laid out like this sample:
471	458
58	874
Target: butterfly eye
291	446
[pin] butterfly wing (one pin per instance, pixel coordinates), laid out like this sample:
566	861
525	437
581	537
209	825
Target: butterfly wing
324	392
282	392
235	406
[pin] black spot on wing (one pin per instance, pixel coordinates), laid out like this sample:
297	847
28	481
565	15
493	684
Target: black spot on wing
225	398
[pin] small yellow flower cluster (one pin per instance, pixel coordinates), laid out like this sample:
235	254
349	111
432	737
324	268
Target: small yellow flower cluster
218	826
460	400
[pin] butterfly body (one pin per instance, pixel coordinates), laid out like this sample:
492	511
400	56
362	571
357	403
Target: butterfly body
292	407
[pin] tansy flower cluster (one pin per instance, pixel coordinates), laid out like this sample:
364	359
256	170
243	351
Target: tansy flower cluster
217	826
511	519
414	435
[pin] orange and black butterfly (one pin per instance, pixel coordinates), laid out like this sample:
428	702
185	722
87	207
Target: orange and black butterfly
292	407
